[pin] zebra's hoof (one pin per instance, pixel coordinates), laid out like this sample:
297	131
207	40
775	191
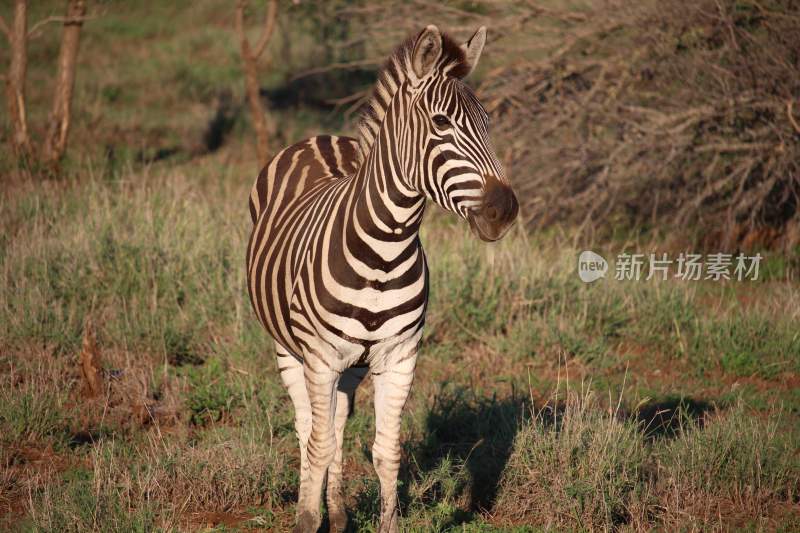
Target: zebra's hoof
388	522
338	521
306	523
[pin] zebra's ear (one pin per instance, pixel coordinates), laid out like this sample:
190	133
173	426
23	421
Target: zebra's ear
473	48
427	50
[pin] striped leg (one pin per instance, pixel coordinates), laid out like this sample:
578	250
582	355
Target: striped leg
291	371
348	383
321	383
392	386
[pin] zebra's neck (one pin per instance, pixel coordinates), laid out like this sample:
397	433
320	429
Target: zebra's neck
385	207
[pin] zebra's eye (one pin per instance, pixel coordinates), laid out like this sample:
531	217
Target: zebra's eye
441	121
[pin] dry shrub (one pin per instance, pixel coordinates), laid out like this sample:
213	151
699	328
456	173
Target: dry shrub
678	115
615	114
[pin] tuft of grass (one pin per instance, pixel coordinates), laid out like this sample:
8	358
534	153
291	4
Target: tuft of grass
729	464
224	469
575	466
29	416
212	395
35	407
80	504
470	296
467	438
755	345
129	486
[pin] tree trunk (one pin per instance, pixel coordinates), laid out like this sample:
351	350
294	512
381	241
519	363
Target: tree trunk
56	141
15	81
250	66
256	106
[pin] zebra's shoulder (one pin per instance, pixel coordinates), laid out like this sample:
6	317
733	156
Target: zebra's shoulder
302	166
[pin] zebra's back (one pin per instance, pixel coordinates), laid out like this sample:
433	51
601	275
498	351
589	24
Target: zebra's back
300	168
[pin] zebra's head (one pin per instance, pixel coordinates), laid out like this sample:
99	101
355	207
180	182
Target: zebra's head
459	169
436	132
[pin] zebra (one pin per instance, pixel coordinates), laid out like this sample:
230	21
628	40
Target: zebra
336	270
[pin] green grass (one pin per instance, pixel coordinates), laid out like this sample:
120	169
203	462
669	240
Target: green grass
77	505
29	415
510	329
577	467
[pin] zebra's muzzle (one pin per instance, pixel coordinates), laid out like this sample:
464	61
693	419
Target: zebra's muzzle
497	212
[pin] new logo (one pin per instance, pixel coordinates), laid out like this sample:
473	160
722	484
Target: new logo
591	266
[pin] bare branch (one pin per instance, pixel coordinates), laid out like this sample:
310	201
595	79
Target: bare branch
790	114
64	20
15	80
240	6
734	147
251	78
269	28
4	28
338	66
349	98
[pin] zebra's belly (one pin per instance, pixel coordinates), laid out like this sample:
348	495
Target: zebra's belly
363	328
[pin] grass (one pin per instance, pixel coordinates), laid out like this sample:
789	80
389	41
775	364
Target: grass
501	432
575	466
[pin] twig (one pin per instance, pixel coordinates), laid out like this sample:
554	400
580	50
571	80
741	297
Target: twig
796	127
65	20
349	98
269	28
448	9
250	65
566	17
727	21
4	28
337	66
733	147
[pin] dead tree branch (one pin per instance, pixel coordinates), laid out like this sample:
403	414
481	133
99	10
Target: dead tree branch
790	114
269	28
49	20
4	28
347	65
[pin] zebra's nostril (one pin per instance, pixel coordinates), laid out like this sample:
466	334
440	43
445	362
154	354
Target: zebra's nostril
492	214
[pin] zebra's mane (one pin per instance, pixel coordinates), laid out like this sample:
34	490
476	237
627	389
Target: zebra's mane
393	73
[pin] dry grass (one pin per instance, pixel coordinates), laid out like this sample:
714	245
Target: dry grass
192	425
576	466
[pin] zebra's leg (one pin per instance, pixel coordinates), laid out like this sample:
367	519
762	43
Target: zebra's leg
321	384
291	371
392	386
348	383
